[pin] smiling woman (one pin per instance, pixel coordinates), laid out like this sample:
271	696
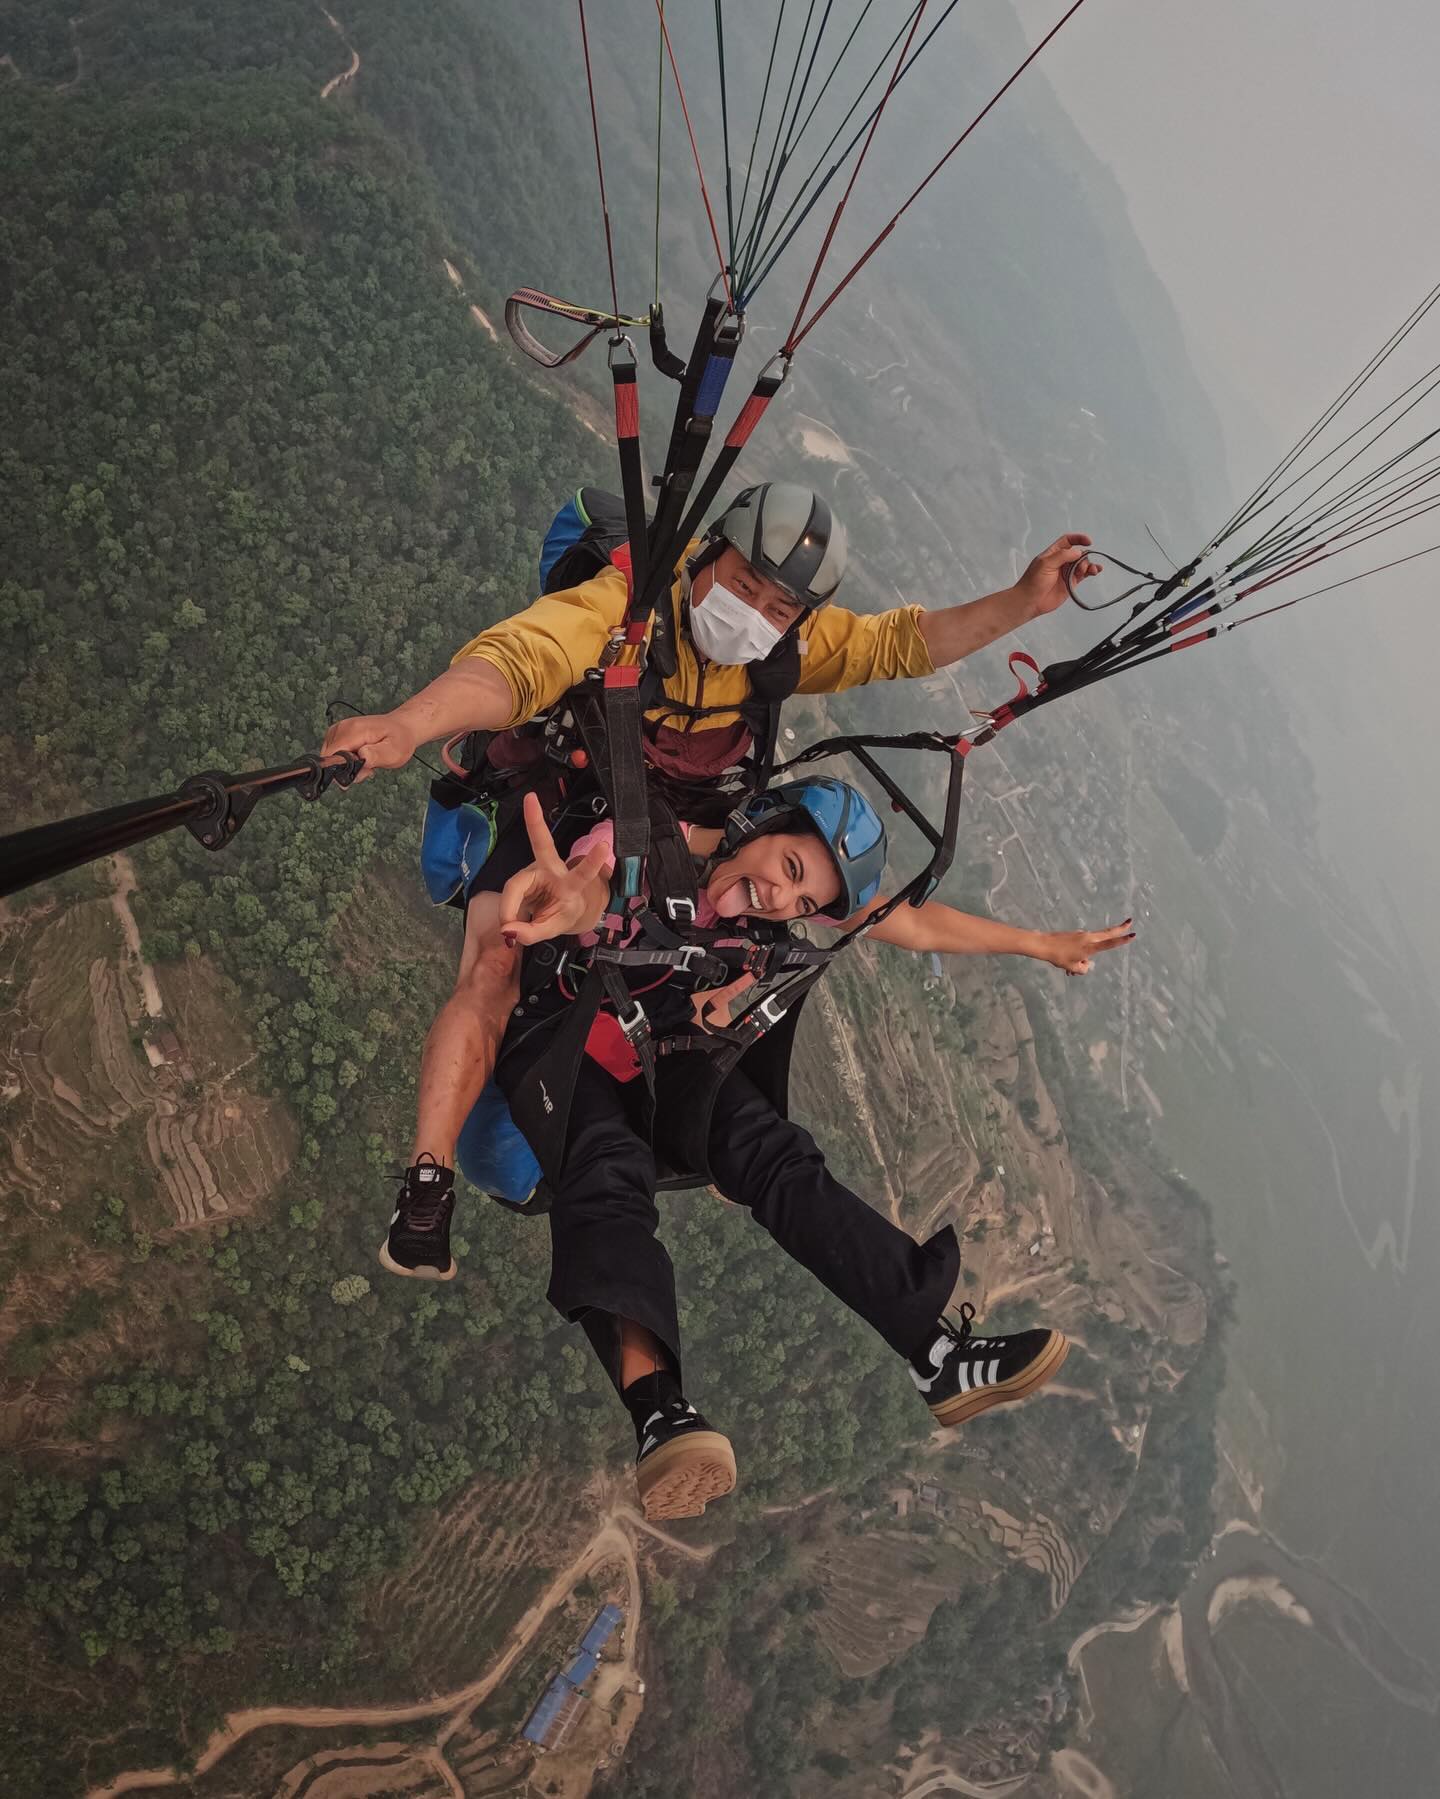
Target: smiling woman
784	875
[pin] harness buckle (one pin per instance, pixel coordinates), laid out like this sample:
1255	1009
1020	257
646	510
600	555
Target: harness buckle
771	1010
681	909
757	959
687	954
633	1023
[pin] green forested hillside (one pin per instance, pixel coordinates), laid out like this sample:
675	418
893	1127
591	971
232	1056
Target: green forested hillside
258	455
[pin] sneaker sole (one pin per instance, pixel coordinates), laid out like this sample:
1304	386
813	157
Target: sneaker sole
423	1273
961	1407
680	1479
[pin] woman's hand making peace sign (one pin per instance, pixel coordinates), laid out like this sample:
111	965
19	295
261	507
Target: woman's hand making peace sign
549	899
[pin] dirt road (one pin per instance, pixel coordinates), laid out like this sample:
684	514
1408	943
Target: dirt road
610	1543
120	900
346	76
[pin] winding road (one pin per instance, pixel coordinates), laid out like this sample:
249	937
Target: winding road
346	76
609	1543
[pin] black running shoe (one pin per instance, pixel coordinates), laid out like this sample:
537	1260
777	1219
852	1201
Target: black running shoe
682	1463
418	1244
962	1375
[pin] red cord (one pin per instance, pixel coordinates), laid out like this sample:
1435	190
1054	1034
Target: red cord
599	165
695	152
797	338
792	340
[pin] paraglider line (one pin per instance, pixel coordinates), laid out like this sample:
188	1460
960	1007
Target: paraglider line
759	118
797	337
1315	593
1248	508
793	131
774	248
659	134
599	163
725	135
792	340
695	152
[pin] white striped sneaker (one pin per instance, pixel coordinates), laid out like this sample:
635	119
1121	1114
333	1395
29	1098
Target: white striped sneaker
962	1375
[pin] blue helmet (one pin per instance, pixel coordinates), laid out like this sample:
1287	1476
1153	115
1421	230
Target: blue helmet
842	817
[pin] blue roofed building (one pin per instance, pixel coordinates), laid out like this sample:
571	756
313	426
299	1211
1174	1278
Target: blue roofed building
581	1668
562	1701
600	1631
553	1716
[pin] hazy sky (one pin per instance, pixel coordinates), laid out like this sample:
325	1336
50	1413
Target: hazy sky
1281	159
1281	163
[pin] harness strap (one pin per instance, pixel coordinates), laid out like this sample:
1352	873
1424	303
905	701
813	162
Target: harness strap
627	440
766	387
711	360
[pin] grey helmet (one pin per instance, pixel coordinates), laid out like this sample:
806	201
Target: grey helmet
790	536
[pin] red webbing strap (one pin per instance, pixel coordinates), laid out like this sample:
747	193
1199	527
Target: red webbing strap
766	387
1019	702
1028	661
1192	619
1184	643
748	418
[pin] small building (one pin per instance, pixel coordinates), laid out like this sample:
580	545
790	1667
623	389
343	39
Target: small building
162	1047
601	1629
581	1667
562	1701
162	1050
554	1717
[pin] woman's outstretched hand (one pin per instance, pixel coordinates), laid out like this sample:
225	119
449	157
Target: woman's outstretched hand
549	899
1075	951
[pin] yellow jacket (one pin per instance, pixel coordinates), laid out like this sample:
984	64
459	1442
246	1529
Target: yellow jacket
546	649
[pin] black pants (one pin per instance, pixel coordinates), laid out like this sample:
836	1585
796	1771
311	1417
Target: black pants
606	1257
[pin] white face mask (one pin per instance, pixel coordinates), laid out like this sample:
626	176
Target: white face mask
727	629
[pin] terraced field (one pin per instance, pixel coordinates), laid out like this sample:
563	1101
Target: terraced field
880	1590
1037	1541
476	1573
84	1059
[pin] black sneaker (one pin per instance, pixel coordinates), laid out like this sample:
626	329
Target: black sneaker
962	1375
418	1244
682	1463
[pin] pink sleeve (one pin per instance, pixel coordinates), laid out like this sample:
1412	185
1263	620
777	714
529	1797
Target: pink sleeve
604	832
